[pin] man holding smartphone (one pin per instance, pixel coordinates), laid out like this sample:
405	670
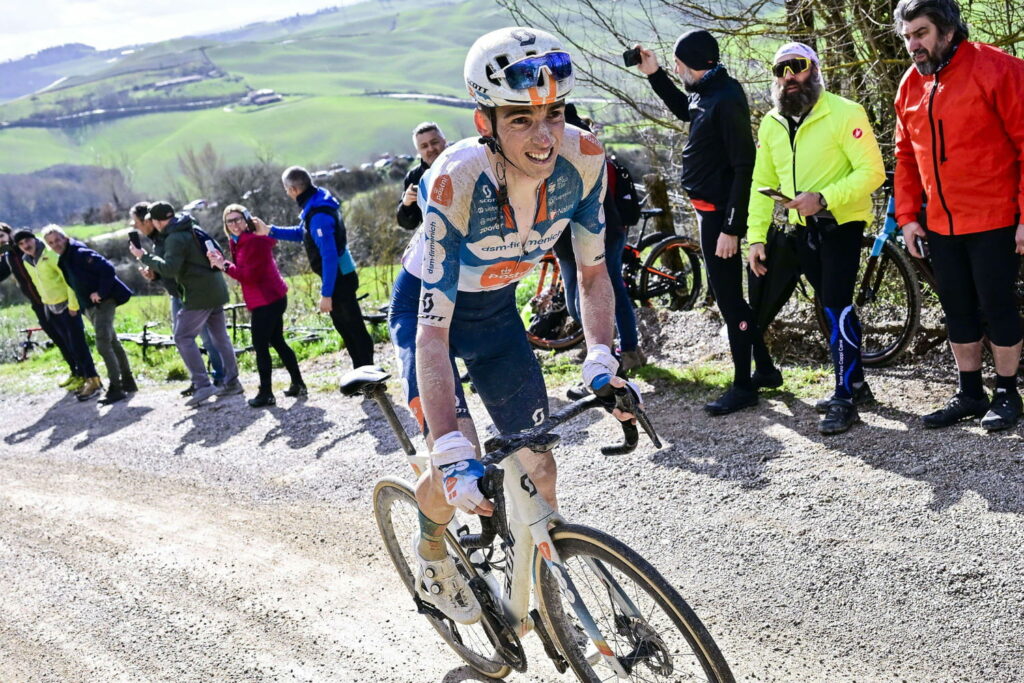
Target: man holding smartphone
718	160
429	142
969	165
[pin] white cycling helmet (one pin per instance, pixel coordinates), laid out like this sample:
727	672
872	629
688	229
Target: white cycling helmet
518	65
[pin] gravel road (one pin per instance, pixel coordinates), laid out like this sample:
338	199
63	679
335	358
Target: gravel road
149	541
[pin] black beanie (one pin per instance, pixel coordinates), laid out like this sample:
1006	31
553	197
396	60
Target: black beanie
697	49
22	235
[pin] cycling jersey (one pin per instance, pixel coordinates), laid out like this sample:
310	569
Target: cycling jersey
468	244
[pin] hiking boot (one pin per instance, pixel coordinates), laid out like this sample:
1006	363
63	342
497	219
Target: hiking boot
840	416
113	395
1004	411
128	384
233	388
440	583
201	394
862	396
90	389
71	379
577	391
296	390
262	400
769	379
960	407
736	398
76	384
188	392
632	359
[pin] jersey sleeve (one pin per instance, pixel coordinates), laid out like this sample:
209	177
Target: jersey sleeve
587	224
445	227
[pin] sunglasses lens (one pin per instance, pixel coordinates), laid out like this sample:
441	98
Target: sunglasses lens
795	66
526	72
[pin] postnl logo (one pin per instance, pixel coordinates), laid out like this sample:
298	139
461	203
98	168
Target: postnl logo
442	193
503	273
589	145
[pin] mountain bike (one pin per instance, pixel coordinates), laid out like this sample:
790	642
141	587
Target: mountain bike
602	610
659	270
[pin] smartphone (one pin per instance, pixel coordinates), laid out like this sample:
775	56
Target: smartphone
210	246
631	57
922	246
249	225
135	239
774	194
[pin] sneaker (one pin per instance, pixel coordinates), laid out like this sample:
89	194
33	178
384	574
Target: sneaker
736	398
862	396
578	391
262	400
960	407
90	389
440	583
201	394
113	395
840	416
771	379
233	388
76	385
632	359
188	392
1004	411
128	384
71	379
296	390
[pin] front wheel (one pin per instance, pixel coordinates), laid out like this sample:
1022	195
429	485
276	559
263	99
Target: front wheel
670	277
396	511
645	622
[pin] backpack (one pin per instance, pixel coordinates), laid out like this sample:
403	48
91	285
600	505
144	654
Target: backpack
627	199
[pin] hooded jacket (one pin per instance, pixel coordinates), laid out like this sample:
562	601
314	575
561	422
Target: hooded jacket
201	286
87	272
255	268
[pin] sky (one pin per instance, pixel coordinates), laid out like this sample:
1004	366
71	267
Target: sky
32	26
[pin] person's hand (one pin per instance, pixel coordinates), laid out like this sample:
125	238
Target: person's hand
95	297
136	252
609	400
599	361
648	60
411	194
805	203
455	457
727	246
757	258
147	273
913	230
326	305
216	259
1020	238
72	312
261	227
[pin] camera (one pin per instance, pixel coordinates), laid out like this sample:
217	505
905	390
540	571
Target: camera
631	57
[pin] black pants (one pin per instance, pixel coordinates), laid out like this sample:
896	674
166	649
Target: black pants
725	277
348	320
56	337
267	331
977	274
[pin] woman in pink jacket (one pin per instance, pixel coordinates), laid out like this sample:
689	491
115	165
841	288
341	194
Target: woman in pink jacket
266	297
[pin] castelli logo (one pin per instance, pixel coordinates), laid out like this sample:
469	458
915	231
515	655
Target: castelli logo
743	326
857	133
442	192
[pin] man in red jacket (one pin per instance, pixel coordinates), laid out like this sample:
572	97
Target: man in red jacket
960	148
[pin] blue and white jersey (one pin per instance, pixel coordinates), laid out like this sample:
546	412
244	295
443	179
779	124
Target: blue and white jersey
467	244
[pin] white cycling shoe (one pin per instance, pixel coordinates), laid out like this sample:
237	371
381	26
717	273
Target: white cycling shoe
440	583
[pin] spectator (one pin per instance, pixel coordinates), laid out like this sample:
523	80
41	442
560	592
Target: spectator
61	307
321	229
99	292
429	142
144	225
11	264
971	171
266	296
718	160
203	295
818	148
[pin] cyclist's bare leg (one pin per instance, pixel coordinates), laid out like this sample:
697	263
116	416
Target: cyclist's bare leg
968	356
1007	359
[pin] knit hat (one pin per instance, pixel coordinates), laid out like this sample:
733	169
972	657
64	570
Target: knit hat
697	49
796	49
160	211
23	235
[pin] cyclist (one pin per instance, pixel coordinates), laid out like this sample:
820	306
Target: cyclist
969	167
492	207
429	142
818	148
718	160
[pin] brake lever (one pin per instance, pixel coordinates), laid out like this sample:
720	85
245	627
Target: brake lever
625	402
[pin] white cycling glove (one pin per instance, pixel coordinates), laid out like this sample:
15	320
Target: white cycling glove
455	456
599	361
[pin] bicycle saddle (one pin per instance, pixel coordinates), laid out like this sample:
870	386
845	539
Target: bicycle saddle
357	381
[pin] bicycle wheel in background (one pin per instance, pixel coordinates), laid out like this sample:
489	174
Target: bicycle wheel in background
888	300
545	315
666	643
670	277
396	512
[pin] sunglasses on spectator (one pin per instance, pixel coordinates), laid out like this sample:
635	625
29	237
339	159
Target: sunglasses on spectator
796	65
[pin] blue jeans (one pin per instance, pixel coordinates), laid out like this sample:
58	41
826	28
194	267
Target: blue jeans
625	315
216	362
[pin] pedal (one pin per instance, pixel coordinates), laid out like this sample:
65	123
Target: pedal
549	645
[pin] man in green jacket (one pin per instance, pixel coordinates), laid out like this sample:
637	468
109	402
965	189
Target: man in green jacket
818	150
203	295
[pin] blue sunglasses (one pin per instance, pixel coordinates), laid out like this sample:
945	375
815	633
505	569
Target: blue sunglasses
526	72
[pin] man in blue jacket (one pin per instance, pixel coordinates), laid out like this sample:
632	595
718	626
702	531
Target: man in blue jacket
99	293
321	229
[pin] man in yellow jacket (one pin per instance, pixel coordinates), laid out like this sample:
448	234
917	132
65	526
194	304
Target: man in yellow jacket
817	149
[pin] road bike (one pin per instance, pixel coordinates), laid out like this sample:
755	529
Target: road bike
659	270
602	610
